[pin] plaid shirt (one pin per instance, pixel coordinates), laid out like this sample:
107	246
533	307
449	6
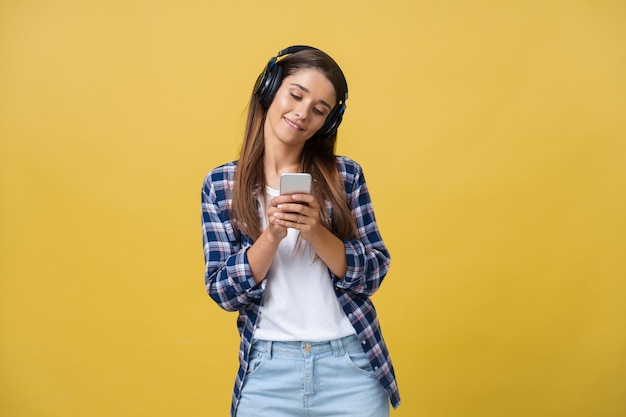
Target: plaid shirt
230	284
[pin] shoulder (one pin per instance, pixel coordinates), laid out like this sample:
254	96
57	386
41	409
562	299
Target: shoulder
348	168
220	179
225	172
351	172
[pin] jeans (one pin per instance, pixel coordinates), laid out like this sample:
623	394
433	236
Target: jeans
311	379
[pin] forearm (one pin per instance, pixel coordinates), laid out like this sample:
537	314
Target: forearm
331	251
261	254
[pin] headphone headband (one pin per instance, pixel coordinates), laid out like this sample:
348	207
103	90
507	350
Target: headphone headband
270	79
296	48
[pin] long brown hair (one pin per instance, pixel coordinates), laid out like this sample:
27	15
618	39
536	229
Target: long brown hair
318	158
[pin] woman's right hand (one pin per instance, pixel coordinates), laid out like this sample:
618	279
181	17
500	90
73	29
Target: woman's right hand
276	231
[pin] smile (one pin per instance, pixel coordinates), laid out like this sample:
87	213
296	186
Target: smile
293	124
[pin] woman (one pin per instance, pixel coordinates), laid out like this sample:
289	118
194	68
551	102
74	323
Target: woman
299	269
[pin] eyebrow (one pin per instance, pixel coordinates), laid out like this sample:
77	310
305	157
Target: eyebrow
306	90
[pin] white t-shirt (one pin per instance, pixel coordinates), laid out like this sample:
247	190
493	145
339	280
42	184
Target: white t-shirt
299	302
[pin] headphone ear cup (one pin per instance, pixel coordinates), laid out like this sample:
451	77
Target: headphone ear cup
260	87
332	121
268	83
275	78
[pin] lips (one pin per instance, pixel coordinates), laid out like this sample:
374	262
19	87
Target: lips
293	124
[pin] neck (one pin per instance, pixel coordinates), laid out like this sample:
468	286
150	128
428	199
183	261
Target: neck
276	163
279	158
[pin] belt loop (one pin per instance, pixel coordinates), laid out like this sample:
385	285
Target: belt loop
268	349
338	348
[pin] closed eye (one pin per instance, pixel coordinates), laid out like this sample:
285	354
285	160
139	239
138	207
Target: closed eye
315	109
306	90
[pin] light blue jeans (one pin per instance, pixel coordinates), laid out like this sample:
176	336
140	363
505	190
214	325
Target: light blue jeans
311	379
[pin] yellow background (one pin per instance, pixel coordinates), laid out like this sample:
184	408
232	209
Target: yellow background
493	139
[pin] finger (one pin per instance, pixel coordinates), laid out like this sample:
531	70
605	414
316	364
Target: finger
278	227
290	208
288	219
283	199
303	198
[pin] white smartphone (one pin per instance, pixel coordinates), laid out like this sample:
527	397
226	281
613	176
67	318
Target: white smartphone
291	183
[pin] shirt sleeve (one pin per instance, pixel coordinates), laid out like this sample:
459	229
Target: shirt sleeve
366	254
228	277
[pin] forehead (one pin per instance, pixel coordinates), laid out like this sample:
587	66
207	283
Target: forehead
313	80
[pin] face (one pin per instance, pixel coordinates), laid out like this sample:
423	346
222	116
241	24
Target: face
300	107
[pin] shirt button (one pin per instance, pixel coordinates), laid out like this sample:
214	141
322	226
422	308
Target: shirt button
350	315
363	342
376	368
306	348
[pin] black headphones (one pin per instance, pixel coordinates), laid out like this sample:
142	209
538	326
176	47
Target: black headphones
269	80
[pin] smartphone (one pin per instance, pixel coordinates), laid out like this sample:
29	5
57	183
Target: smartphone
291	183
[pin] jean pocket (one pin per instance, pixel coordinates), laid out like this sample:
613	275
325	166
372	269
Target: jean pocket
255	361
357	359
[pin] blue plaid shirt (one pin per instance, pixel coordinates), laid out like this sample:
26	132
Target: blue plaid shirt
230	284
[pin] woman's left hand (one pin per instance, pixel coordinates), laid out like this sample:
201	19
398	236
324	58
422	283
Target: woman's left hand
299	211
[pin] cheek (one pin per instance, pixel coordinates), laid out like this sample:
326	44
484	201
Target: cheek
319	122
280	103
274	112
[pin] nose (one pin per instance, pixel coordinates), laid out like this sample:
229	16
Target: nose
301	111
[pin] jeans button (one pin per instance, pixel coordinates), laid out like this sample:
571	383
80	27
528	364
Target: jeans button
306	348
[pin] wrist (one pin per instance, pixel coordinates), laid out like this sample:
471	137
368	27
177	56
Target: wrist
269	238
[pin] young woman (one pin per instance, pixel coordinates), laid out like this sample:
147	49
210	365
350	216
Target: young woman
299	268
